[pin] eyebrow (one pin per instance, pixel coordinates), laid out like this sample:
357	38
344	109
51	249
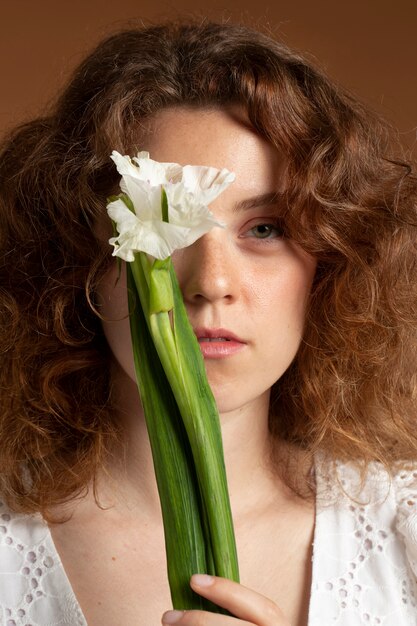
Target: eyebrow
266	199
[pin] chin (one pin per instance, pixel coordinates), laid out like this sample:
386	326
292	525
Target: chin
236	401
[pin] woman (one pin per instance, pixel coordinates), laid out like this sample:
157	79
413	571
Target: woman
314	279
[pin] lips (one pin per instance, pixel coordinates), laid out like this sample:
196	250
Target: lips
218	343
217	333
204	339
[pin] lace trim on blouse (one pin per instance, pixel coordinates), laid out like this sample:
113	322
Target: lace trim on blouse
364	558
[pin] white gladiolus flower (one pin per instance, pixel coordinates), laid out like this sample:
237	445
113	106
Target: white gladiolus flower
189	190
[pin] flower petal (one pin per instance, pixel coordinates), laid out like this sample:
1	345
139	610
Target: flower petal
154	237
184	211
161	239
145	198
206	183
189	190
121	215
124	164
156	173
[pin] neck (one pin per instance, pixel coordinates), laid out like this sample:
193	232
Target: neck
246	444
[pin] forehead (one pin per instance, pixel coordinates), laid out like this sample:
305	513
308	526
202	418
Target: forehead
217	137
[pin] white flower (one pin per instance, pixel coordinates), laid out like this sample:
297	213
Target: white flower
189	190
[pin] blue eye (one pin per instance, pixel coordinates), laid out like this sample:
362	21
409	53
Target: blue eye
267	231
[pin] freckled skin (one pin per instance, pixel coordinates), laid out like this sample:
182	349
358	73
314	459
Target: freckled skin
249	280
230	278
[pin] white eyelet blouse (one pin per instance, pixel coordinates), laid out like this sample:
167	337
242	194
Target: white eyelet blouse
364	557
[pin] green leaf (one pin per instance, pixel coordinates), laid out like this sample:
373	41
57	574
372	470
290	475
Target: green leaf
179	382
124	198
174	467
160	287
201	420
164	205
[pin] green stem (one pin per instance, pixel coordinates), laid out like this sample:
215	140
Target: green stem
182	362
184	366
174	467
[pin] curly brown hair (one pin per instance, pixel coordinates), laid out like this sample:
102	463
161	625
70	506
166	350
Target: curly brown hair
352	203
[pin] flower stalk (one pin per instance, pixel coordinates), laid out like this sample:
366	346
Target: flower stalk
179	407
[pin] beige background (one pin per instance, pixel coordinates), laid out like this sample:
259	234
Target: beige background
369	46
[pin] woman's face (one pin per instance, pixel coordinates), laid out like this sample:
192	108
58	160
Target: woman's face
245	287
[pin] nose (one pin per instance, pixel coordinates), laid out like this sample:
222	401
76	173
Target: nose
206	270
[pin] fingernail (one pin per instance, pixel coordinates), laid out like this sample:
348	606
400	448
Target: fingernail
172	617
202	580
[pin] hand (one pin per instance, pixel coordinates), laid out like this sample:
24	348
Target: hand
249	607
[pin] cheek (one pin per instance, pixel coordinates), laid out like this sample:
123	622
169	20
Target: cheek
295	297
112	297
284	301
300	278
284	291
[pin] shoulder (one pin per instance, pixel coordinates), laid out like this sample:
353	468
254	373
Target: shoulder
24	557
339	482
365	547
378	506
18	531
405	487
33	585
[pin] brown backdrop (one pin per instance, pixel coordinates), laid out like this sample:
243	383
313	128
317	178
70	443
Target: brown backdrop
368	45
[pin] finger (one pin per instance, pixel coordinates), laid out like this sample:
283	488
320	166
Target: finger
242	602
200	618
